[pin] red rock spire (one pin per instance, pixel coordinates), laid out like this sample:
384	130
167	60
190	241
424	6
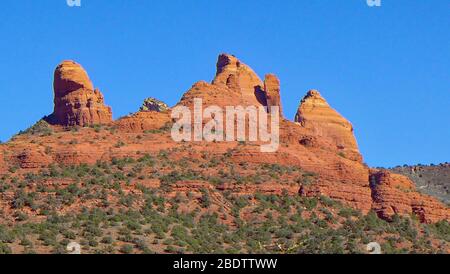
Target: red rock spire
315	114
76	101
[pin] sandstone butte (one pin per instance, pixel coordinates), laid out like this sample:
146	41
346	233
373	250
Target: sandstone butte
76	101
319	141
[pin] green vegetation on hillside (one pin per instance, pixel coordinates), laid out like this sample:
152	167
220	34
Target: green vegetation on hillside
110	208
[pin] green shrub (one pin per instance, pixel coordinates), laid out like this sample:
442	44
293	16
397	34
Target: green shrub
205	200
5	249
442	230
126	249
107	240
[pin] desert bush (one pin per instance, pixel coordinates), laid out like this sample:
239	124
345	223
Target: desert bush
5	249
126	249
442	230
205	200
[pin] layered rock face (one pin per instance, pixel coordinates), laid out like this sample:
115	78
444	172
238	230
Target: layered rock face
76	101
32	158
396	194
315	114
143	121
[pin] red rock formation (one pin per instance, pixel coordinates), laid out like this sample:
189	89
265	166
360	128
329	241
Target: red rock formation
356	196
220	95
32	158
315	114
76	101
143	121
235	84
244	78
272	91
395	194
315	145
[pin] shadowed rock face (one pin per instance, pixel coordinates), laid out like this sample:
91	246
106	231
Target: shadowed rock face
76	101
70	76
315	114
272	91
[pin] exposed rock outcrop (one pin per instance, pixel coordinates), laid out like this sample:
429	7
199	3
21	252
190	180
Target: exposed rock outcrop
396	194
243	78
272	91
152	104
144	121
235	84
220	95
32	158
76	101
315	114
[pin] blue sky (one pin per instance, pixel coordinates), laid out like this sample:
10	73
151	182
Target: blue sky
386	69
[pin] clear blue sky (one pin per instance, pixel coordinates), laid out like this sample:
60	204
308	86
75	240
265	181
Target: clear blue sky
386	69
